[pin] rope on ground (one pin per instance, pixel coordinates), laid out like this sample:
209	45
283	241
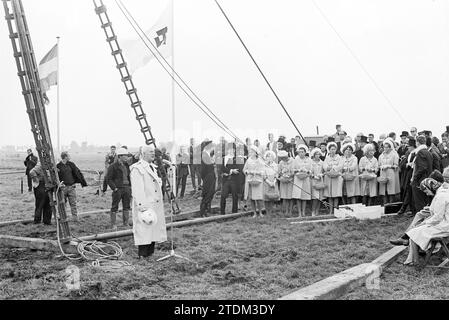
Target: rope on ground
102	255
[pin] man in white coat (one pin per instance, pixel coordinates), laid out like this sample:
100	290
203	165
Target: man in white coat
147	204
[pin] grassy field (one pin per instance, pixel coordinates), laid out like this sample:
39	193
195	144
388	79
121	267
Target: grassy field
399	282
263	258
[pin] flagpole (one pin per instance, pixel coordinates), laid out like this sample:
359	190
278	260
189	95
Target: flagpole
57	108
173	86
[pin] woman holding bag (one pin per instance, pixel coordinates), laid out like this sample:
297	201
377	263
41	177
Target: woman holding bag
317	181
350	171
389	184
368	168
302	167
332	176
254	171
285	181
271	188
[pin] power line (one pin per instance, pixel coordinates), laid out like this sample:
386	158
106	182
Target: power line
260	70
217	121
135	25
359	62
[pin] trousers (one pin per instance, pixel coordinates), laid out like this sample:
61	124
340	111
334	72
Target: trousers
208	193
229	187
70	194
42	210
420	198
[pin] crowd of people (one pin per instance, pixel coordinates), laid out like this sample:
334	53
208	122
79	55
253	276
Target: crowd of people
337	170
292	175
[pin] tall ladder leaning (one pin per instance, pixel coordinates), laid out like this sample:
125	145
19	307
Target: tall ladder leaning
131	91
32	91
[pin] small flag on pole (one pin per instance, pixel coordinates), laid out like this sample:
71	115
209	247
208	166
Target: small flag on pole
160	36
48	69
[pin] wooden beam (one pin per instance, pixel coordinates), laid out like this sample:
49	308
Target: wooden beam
33	244
318	221
341	283
129	232
178	217
11	172
309	218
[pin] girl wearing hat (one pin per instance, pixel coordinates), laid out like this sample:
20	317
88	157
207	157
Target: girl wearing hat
271	187
286	181
302	167
389	164
333	180
254	171
368	166
350	170
317	177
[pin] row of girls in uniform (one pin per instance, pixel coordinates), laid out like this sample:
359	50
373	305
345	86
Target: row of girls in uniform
308	179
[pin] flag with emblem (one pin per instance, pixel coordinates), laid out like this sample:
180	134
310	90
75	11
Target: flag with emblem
160	35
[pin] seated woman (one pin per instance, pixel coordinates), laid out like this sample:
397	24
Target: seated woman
429	186
435	226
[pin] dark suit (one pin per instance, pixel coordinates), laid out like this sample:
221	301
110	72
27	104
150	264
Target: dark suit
230	185
423	168
436	158
209	180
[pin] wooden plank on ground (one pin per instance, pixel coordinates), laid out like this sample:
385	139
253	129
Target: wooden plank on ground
323	220
179	224
30	243
6	173
182	216
341	283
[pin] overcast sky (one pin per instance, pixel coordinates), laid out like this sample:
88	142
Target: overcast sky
404	45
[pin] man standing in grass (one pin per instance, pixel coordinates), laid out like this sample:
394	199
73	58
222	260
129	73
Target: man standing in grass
119	181
70	175
30	162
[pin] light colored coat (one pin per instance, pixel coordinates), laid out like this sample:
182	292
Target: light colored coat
437	225
393	186
147	194
301	187
317	177
351	188
254	167
334	185
285	168
368	188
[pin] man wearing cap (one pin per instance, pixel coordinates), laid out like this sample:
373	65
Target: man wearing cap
147	203
109	159
30	162
208	177
119	181
69	176
42	211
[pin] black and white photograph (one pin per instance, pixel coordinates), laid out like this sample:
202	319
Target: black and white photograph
226	156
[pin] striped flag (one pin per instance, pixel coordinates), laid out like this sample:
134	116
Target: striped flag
48	69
